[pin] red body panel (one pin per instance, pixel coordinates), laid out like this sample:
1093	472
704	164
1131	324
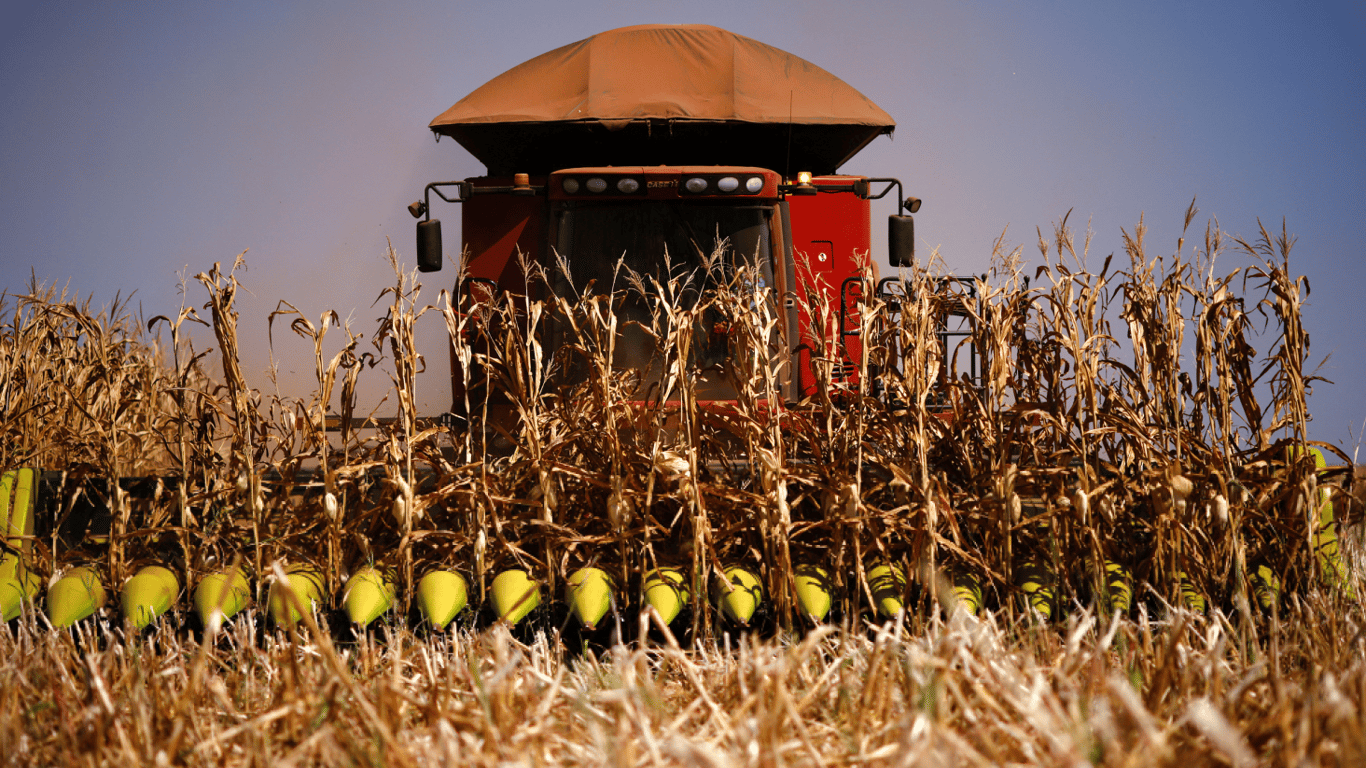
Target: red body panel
832	241
493	227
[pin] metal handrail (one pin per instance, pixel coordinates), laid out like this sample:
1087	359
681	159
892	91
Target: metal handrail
894	299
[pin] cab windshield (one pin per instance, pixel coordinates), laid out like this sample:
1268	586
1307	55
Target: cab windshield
696	245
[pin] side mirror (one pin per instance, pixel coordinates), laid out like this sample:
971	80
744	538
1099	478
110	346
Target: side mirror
429	245
901	240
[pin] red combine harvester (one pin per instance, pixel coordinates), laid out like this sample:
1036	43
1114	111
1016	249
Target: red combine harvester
665	154
658	142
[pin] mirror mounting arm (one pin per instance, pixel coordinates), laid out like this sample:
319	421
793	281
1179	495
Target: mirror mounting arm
462	194
429	229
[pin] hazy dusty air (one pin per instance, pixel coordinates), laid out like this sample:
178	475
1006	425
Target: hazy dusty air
139	141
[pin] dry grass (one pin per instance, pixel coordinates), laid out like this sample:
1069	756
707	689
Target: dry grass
1176	454
1191	690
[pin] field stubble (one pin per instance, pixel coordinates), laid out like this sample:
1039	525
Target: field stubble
1189	690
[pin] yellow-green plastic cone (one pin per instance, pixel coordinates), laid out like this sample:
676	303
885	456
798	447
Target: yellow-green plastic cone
16	590
666	589
76	595
220	596
888	585
18	583
1037	584
7	483
1190	594
967	591
440	596
814	591
148	595
744	596
1266	587
304	584
1118	587
1331	564
1325	538
16	508
589	595
515	595
369	593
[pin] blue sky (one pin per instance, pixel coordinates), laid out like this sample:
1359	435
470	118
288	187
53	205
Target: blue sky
142	139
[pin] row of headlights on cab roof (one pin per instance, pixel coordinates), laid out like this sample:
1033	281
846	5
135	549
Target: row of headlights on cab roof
696	185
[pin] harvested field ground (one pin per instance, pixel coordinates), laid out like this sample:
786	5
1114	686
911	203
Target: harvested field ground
1189	690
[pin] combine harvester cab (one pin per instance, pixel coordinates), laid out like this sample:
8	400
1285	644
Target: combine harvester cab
646	148
654	138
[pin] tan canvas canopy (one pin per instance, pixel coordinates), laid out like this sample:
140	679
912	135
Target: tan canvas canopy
659	94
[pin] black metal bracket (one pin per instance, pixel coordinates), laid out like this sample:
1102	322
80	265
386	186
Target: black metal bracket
435	186
467	190
860	187
844	302
900	198
967	289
